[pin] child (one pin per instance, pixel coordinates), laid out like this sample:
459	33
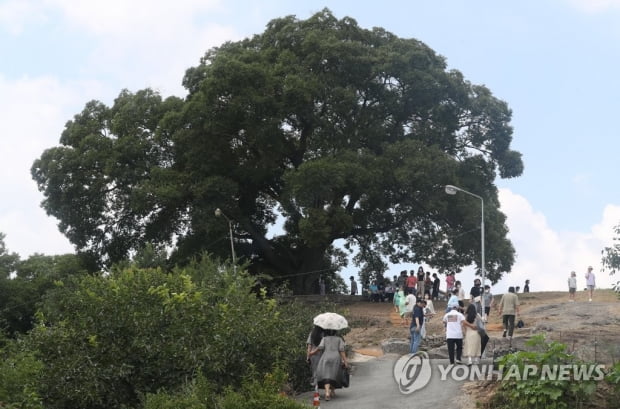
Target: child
572	286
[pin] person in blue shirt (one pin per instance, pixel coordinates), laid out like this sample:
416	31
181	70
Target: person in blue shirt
417	321
453	301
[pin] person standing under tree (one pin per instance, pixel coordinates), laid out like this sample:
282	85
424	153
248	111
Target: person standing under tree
436	284
353	286
590	282
421	277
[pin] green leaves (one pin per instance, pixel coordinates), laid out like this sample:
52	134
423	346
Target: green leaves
343	132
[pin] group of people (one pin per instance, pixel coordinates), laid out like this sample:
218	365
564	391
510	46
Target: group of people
383	289
466	336
590	284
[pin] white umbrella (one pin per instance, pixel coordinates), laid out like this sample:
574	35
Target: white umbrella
330	320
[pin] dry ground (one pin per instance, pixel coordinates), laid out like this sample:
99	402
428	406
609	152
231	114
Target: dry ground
590	329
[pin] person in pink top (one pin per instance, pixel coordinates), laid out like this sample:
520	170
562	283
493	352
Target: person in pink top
411	283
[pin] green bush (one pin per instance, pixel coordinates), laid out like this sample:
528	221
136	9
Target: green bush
19	371
106	342
537	392
613	379
255	392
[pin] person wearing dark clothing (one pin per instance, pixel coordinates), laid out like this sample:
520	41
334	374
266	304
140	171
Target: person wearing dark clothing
436	283
417	321
475	295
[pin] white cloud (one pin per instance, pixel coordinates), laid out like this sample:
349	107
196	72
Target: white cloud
16	14
545	256
33	112
595	6
143	43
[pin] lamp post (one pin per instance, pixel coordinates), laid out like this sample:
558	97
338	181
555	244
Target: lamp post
220	213
451	190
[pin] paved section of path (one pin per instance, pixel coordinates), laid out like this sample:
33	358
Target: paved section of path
373	386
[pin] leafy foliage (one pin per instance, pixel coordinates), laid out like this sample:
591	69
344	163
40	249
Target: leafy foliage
537	391
258	393
611	257
341	133
19	373
21	293
106	342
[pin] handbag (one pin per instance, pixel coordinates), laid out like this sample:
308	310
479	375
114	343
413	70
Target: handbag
520	324
344	377
480	328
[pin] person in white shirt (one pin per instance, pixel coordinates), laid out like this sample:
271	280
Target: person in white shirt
410	301
454	334
590	281
572	286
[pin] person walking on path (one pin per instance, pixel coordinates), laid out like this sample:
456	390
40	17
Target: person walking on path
410	302
489	302
472	346
572	286
475	295
417	321
508	308
353	286
453	301
400	306
590	282
454	334
328	370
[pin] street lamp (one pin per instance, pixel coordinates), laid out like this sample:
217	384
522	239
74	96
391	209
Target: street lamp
451	190
220	213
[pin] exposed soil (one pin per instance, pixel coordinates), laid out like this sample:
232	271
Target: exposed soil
591	330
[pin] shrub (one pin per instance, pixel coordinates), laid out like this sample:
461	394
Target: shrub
255	392
540	392
19	370
106	342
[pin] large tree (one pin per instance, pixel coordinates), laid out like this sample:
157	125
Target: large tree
312	132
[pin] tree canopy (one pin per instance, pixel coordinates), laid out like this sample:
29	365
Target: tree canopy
313	132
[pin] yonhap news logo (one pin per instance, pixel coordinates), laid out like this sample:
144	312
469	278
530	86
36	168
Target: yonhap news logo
412	372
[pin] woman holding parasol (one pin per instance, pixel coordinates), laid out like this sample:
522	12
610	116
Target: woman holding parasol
332	348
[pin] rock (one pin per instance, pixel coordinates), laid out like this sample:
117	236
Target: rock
395	346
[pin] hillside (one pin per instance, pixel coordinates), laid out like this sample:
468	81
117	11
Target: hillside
588	328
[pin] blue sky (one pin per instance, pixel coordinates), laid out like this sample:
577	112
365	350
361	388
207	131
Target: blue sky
554	62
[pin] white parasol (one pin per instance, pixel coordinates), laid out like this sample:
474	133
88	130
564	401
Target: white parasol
330	320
